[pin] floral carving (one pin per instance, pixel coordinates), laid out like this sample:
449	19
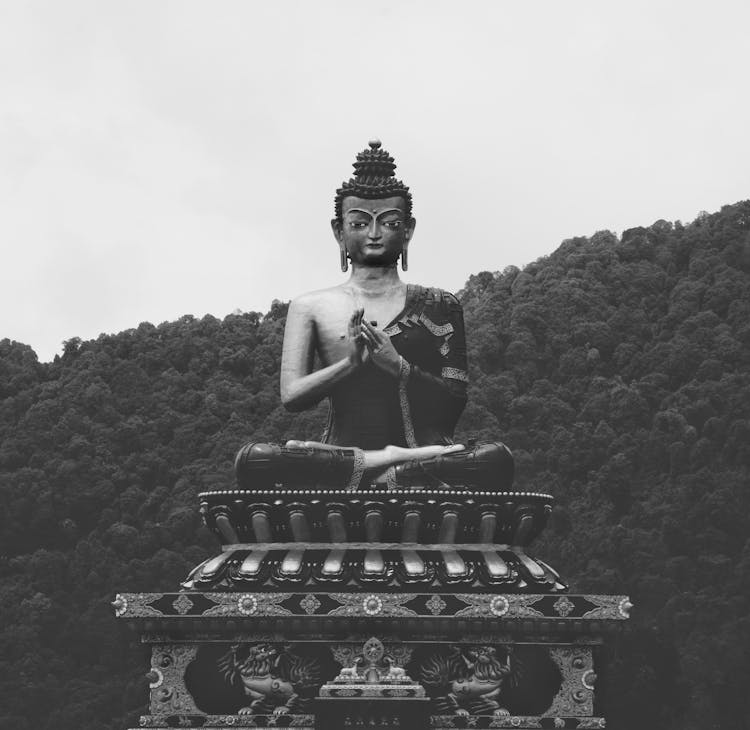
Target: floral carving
383	604
182	604
575	696
436	605
563	606
609	607
168	692
247	605
120	605
372	605
483	604
136	604
499	606
477	605
310	604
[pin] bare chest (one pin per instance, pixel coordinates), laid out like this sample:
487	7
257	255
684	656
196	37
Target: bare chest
380	308
385	311
332	317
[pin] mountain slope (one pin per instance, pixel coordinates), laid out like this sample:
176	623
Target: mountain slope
618	370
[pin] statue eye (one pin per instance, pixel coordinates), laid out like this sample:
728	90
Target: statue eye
392	224
357	224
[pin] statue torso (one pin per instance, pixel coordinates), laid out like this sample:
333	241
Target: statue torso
366	409
331	310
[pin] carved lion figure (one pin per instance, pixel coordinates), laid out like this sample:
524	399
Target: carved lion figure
467	682
276	680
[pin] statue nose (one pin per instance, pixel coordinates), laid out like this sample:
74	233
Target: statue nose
374	232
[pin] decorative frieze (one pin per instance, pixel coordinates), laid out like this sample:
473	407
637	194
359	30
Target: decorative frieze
507	608
169	696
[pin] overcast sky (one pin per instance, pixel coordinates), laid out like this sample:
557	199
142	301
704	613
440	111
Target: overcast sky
168	158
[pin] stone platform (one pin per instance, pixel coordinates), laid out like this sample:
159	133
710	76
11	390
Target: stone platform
404	608
440	659
409	540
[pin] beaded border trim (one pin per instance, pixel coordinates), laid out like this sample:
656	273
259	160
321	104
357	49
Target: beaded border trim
403	397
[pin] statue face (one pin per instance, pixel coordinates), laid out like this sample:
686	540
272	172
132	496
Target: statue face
373	232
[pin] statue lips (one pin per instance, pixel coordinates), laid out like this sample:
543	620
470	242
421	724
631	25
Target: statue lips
379	253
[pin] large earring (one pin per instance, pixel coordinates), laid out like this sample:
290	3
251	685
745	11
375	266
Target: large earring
344	260
404	261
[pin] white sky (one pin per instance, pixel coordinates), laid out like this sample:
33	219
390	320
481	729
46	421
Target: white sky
168	158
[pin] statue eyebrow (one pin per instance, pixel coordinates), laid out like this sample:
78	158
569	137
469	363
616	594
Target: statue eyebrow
377	215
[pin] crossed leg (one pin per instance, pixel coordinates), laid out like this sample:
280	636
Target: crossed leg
381	459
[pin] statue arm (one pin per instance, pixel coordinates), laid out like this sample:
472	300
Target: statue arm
301	387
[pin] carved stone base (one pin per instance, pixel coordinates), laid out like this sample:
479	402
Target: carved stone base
405	713
332	661
382	539
222	722
517	721
344	566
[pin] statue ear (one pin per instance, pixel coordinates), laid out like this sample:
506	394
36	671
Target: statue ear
408	231
411	224
338	231
337	227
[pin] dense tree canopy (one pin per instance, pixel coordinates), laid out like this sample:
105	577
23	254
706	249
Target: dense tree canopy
618	370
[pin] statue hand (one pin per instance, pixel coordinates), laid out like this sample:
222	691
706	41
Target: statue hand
356	341
381	349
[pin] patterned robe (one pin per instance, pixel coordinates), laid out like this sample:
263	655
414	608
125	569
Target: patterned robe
422	407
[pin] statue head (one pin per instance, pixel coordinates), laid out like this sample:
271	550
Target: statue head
373	223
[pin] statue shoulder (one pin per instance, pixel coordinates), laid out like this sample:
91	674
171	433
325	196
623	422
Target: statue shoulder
443	300
313	303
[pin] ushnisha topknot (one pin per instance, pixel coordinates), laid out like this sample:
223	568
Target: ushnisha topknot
373	178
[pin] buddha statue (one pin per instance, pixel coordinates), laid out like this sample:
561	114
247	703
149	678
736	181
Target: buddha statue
392	362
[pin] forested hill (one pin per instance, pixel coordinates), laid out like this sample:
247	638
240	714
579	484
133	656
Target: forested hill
617	370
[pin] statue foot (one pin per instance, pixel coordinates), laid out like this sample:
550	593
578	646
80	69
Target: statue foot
296	444
392	455
489	465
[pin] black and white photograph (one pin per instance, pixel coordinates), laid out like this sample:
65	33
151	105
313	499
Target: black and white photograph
374	365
